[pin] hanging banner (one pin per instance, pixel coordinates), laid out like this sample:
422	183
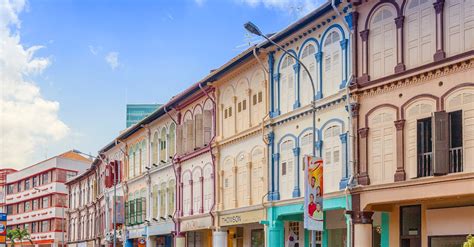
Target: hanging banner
3	229
313	196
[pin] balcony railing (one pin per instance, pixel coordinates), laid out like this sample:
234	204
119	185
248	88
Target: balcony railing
455	160
425	164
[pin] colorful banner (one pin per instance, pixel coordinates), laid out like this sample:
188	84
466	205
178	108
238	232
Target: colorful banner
313	196
3	229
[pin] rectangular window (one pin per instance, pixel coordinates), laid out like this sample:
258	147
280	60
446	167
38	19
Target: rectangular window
10	189
45	226
225	113
45	178
27	184
424	148
34	181
230	111
410	226
35	204
18	187
27	206
34	227
260	97
10	209
443	241
239	107
45	202
254	99
455	142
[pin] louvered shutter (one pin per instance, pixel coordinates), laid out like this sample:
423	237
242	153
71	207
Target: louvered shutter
468	139
179	139
207	126
375	154
189	136
440	137
199	130
411	156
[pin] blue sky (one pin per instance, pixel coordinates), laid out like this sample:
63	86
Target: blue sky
155	48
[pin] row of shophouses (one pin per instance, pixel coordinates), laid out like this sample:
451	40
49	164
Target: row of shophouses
221	163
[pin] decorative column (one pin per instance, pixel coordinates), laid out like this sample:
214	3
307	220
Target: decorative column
221	120
271	61
191	185
201	207
440	53
354	50
276	110
276	177
296	68
249	183
234	199
296	190
180	240
221	190
344	43
363	177
271	148
400	173
400	67
345	165
234	113
364	78
219	238
319	59
362	221
249	100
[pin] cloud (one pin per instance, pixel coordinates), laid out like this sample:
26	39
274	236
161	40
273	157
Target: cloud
294	7
112	59
95	49
199	2
27	120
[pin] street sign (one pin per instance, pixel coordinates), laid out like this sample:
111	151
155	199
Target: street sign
313	196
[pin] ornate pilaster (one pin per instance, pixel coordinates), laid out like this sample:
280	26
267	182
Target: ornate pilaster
363	176
400	173
234	171
364	78
345	165
276	178
400	67
296	68
249	183
276	109
439	10
296	190
319	59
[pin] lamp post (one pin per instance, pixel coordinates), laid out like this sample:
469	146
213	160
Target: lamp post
252	28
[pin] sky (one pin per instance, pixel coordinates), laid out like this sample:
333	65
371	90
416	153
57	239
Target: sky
69	67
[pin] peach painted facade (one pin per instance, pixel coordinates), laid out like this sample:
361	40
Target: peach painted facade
415	120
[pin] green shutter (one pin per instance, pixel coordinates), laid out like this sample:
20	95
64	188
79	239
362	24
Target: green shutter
126	214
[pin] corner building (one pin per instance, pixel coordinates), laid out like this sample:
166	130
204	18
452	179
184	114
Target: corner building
321	40
415	122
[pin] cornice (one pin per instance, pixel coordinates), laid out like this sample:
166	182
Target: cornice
418	78
240	136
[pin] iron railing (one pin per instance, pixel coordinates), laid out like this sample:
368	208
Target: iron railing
455	160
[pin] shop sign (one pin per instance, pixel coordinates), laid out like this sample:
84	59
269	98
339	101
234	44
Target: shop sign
241	218
136	233
3	228
313	196
196	224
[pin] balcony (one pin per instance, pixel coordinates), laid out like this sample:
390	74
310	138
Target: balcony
455	160
425	164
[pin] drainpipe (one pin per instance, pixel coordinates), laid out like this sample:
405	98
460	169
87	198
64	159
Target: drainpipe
347	190
169	115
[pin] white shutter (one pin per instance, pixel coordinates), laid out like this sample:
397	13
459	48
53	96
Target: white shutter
375	155
468	139
179	139
388	153
459	26
207	126
189	136
199	130
411	149
283	93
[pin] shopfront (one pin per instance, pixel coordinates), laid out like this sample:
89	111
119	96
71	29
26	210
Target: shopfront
243	228
136	237
159	235
197	231
286	228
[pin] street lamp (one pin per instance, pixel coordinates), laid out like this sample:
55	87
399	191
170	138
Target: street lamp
252	28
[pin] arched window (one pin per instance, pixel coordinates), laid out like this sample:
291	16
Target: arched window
155	201
172	140
197	191
332	63
208	188
138	159
287	84
258	182
332	158
459	26
163	200
309	60
186	193
227	113
419	32
171	191
131	162
286	169
382	147
382	43
257	104
163	141
154	148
